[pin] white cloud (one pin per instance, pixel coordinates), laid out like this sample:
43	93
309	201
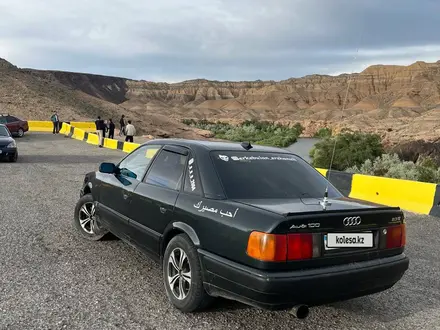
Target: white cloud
216	39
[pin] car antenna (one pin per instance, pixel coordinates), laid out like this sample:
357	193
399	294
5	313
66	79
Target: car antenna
325	202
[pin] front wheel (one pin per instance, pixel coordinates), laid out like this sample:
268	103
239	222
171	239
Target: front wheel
86	221
183	277
20	132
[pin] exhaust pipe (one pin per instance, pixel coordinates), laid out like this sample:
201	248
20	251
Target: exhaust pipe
300	311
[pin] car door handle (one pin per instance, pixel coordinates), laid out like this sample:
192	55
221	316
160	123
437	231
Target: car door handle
162	209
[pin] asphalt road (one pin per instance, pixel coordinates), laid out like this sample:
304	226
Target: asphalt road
53	279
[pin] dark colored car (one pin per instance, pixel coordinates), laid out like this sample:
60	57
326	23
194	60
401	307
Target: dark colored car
8	146
246	223
15	125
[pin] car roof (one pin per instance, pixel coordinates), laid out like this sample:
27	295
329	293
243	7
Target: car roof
215	145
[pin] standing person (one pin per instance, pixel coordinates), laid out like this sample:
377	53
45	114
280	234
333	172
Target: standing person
111	129
100	127
130	131
56	122
105	127
122	123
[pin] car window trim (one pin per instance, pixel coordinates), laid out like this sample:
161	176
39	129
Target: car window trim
176	149
152	163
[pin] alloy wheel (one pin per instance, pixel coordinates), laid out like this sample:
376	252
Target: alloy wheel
179	273
87	218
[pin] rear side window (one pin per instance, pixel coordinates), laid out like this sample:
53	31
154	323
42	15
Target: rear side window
11	119
167	170
2	120
252	175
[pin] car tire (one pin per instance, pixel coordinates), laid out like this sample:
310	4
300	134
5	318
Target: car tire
13	158
85	220
193	297
20	132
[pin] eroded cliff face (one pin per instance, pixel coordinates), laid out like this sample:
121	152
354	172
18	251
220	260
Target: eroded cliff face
399	102
378	87
34	95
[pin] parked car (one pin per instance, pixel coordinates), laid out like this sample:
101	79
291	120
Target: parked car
15	125
8	146
245	223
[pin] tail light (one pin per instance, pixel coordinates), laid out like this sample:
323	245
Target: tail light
396	236
299	246
281	247
267	247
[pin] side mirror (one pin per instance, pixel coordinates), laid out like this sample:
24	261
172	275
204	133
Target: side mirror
109	168
128	173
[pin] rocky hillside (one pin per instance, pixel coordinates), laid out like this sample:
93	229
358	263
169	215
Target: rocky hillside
399	102
34	95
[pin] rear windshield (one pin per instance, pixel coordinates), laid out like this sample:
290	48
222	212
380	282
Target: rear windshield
3	131
252	175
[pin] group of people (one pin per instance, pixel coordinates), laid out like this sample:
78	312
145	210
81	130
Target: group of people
103	126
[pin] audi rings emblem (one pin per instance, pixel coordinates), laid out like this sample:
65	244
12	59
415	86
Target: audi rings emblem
352	221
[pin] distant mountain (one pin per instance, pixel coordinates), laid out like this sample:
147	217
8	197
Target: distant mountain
398	102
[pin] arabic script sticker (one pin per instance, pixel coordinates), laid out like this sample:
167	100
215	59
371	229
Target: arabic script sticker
223	157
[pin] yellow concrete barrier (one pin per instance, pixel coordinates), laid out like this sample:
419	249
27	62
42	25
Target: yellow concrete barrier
40	126
93	139
47	126
110	143
409	195
322	171
129	146
84	125
78	134
64	128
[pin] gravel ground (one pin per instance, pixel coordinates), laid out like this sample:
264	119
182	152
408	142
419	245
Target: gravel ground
53	279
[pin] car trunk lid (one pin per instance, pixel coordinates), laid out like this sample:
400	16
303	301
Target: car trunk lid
335	231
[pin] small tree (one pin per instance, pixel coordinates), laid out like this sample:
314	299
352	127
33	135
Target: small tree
351	149
323	133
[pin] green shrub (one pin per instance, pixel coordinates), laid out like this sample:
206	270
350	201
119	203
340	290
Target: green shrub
391	166
257	132
323	133
350	149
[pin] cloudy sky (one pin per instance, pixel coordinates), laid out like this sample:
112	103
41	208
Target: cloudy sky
174	40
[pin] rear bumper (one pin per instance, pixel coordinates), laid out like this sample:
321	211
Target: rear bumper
273	290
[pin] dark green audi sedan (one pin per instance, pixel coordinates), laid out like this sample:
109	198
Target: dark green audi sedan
250	223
